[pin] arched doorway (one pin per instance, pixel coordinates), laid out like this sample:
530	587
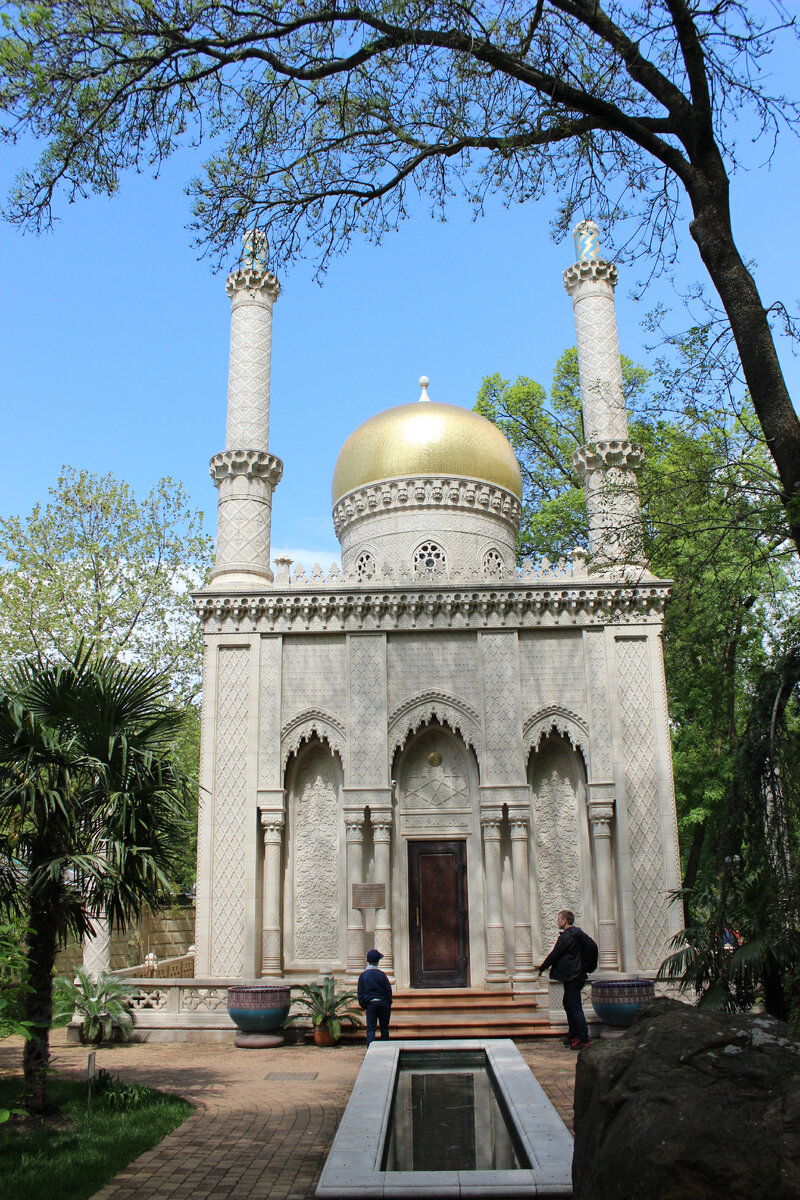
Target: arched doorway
437	860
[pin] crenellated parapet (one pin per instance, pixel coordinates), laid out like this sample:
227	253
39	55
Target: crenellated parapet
600	456
245	464
250	280
590	272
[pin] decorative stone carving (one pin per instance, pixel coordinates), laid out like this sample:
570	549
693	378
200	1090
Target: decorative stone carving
645	833
309	724
443	606
602	455
555	835
230	813
252	279
368	764
434	775
97	949
407	494
583	272
594	642
501	707
246	464
553	719
421	709
315	850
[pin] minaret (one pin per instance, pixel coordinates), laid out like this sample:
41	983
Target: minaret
245	472
608	461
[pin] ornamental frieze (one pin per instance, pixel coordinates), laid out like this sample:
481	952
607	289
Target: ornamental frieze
400	609
393	494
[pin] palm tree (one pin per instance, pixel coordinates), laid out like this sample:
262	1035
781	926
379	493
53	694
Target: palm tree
91	803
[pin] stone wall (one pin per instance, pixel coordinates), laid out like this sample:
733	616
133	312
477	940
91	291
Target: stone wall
167	934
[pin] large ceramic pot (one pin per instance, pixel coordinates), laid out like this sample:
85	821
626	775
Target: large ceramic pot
259	1007
617	1001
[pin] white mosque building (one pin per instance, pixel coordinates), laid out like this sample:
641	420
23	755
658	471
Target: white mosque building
432	750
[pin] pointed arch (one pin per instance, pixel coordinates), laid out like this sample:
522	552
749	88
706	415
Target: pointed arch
308	724
429	706
556	719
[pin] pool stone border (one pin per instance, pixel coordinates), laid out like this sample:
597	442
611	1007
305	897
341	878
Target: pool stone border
352	1168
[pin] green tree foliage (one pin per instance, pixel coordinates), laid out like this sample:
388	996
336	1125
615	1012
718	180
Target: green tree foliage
323	117
91	803
96	565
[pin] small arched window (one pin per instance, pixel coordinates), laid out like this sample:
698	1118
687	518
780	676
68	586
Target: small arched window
365	567
429	559
493	565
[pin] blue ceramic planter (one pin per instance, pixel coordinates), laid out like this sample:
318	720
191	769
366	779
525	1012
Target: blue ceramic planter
259	1008
617	1001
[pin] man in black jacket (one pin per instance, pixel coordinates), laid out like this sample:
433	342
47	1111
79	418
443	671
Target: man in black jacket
375	996
566	965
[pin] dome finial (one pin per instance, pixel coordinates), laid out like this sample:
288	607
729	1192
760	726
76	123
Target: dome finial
587	241
423	383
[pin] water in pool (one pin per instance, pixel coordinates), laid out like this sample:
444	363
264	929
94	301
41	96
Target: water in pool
447	1115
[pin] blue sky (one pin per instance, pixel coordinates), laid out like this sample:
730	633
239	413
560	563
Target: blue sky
115	337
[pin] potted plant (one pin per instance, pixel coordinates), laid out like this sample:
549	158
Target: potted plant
101	1005
328	1009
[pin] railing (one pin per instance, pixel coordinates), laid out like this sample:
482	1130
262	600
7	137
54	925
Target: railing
181	967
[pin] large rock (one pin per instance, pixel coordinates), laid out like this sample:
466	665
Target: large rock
689	1105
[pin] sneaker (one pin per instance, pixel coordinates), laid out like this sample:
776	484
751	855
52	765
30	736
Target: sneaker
576	1045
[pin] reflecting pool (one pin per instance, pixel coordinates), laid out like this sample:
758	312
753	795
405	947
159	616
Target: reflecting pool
448	1115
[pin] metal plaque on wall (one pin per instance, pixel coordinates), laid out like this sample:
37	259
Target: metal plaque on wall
369	895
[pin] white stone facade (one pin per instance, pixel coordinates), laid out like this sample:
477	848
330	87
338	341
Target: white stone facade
438	698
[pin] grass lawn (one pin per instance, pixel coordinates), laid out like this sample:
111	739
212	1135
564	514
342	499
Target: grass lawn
70	1156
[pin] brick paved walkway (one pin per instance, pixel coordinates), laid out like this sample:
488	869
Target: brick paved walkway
263	1126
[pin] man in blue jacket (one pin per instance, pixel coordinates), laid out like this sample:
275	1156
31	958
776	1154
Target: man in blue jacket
375	996
566	965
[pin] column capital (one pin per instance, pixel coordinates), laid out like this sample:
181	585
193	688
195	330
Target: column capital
519	826
490	823
354	826
381	825
271	826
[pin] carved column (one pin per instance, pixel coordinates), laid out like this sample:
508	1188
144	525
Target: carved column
245	472
523	951
495	935
601	816
97	949
354	832
272	832
382	839
608	462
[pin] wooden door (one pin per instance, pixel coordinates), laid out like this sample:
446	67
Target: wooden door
438	918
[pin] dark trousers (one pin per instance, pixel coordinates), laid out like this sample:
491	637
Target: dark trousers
574	1010
378	1011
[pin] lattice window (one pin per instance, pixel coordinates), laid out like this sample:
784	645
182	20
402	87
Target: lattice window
493	565
365	566
429	559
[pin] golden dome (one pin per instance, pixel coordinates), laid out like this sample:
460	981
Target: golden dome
426	438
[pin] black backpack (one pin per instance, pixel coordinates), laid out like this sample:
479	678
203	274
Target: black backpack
589	952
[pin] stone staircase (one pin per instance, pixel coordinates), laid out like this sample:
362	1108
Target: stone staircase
468	1013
